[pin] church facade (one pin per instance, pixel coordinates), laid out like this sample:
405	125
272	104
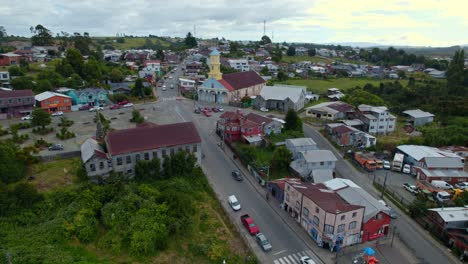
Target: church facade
224	88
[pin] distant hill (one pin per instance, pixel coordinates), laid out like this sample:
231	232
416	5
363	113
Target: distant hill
125	43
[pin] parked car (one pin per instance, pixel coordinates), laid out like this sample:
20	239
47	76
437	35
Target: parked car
237	175
58	113
386	164
307	260
96	108
206	113
220	109
407	169
263	242
411	188
214	109
85	107
56	147
442	185
28	117
124	102
172	86
263	109
461	185
248	222
197	111
116	106
127	105
164	88
234	203
207	109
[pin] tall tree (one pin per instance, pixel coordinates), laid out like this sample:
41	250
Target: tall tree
291	51
11	168
311	52
190	40
138	88
42	36
40	118
293	121
3	33
456	73
160	55
281	158
265	40
75	59
22	83
116	75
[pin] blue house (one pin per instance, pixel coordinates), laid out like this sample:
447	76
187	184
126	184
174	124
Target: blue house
88	96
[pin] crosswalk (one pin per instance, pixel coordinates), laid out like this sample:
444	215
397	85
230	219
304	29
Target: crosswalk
293	258
166	99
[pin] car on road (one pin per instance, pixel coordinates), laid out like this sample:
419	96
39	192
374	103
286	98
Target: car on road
96	108
263	242
127	105
56	147
263	109
407	169
197	111
234	203
58	113
214	109
164	88
124	102
249	224
237	175
28	117
386	164
206	113
172	86
84	107
116	106
170	77
220	109
461	185
207	109
411	188
307	260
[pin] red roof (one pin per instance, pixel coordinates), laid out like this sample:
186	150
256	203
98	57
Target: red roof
258	118
326	199
341	107
15	93
249	124
239	80
341	129
231	115
226	85
151	137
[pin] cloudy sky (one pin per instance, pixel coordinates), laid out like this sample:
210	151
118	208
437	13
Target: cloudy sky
395	22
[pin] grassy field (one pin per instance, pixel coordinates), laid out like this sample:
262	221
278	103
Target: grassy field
129	43
49	176
321	86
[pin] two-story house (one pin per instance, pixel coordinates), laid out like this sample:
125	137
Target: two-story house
7	59
16	103
327	218
53	102
314	165
281	97
296	145
239	64
126	147
377	119
187	84
88	96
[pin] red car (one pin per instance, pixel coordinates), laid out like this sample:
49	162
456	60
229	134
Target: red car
207	109
206	113
85	107
248	222
214	109
124	102
116	106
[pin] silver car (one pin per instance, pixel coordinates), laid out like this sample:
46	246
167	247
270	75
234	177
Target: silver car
263	242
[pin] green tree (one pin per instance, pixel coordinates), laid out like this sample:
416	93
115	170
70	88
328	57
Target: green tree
42	36
160	55
293	121
137	117
74	81
281	158
311	52
82	43
75	59
265	72
16	71
265	40
456	74
116	75
3	33
11	168
281	76
22	83
138	88
190	41
401	74
55	79
92	71
42	86
64	68
291	51
148	170
277	54
40	118
359	96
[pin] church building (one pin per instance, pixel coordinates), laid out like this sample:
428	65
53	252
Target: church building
224	88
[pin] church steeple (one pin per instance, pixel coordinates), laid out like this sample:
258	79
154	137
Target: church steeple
215	70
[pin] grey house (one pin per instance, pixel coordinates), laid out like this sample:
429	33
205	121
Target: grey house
418	117
296	145
314	165
281	97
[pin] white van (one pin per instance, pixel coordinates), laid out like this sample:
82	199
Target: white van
443	196
234	203
442	185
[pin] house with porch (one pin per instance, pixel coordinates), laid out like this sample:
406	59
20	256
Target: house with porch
53	102
329	220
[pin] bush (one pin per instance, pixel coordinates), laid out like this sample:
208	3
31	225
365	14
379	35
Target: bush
65	134
137	117
118	98
64	122
41	143
42	130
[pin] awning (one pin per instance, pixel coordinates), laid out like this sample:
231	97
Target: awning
253	139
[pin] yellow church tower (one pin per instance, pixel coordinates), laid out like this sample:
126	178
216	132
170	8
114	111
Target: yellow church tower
215	65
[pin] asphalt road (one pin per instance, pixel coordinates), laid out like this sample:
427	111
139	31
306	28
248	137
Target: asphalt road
416	238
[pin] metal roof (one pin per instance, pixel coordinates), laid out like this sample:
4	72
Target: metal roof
88	148
299	142
339	183
318	155
419	152
358	196
282	92
445	162
445	173
418	113
47	95
452	214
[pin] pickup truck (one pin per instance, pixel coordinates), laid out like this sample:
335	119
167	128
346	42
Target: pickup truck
248	222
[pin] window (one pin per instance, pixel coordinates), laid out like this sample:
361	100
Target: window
287	197
128	159
372	127
66	101
129	171
379	216
381	120
354	214
316	221
329	163
92	167
194	148
119	161
322	163
298	205
146	156
288	188
172	151
56	102
328	229
101	165
341	228
390	126
343	217
137	157
155	154
187	149
352	225
380	127
305	212
250	130
164	153
317	210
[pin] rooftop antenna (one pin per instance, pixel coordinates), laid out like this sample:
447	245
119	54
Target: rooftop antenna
264	27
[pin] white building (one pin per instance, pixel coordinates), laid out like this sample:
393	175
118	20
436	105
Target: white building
4	76
239	64
377	119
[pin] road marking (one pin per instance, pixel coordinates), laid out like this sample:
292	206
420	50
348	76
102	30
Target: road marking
296	257
291	258
279	252
276	261
283	262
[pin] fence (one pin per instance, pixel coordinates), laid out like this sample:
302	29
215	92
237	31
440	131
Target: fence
60	155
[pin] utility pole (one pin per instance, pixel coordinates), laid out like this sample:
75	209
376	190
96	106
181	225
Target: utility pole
393	235
264	27
195	31
383	186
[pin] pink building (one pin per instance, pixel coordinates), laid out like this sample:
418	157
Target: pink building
327	218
